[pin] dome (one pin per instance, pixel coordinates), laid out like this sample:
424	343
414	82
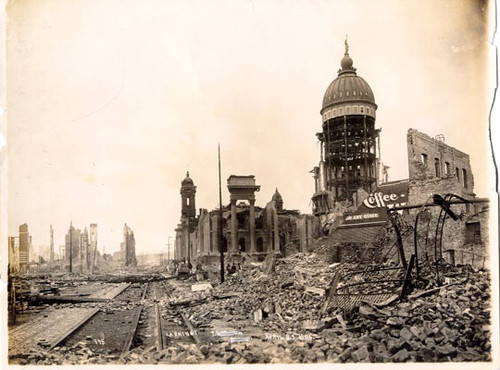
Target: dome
278	200
277	196
187	181
348	87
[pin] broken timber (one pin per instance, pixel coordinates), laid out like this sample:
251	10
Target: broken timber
331	291
133	328
143	296
191	328
312	289
75	326
159	330
40	298
188	302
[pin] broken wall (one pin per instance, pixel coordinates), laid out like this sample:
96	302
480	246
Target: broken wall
430	158
461	242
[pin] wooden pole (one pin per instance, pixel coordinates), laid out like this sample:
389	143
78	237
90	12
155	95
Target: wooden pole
70	248
221	247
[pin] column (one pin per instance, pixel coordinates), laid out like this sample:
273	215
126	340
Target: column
215	234
234	227
269	229
276	232
252	225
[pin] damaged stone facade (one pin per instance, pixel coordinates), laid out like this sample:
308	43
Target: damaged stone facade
248	230
19	251
432	159
437	168
127	247
72	243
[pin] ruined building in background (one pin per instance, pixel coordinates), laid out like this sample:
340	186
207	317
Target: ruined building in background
84	249
82	246
349	166
93	245
24	247
72	243
247	230
19	251
127	248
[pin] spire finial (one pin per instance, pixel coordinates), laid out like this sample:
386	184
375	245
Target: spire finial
346	62
187	173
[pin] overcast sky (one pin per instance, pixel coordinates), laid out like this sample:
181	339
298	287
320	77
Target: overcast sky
111	102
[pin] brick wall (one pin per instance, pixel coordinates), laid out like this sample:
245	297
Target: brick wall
429	158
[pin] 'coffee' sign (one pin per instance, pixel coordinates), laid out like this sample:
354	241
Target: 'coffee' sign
374	207
381	200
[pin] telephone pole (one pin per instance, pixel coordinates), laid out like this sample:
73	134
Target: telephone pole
71	247
221	247
168	248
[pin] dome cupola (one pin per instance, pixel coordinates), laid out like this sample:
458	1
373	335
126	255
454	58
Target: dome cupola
348	93
188	181
278	199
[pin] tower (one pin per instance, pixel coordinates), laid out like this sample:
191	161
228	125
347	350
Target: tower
188	213
93	246
349	140
24	247
188	192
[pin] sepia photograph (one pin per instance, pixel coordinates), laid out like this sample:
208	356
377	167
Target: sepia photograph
248	182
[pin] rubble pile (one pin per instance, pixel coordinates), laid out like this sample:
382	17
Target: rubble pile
275	312
326	252
450	324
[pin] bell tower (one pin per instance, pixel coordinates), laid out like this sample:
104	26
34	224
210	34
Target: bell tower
188	192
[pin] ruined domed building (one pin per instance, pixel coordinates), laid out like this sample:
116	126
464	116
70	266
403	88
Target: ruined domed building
349	166
352	192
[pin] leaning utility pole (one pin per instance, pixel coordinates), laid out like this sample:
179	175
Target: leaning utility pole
221	247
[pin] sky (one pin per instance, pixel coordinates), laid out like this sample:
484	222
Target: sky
110	103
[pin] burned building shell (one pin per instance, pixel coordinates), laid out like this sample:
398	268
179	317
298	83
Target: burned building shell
352	192
247	230
350	149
